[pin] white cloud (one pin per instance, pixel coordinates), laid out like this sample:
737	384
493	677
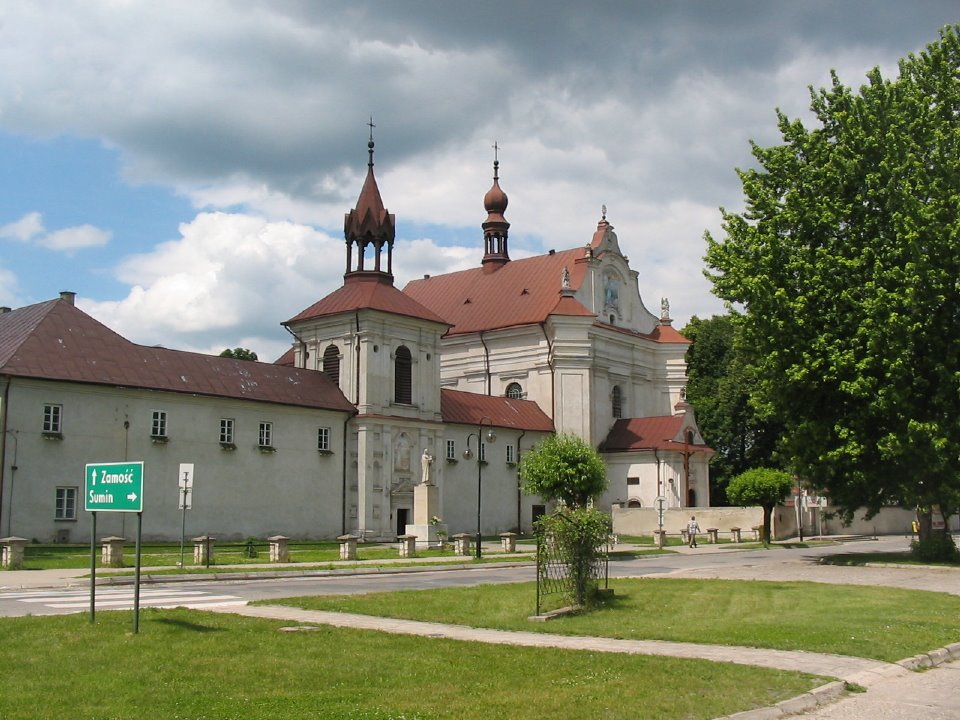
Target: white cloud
24	229
72	238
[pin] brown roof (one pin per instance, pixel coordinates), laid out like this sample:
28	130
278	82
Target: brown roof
466	408
650	433
56	341
374	291
521	292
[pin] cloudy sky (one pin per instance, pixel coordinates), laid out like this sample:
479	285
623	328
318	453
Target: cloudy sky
185	166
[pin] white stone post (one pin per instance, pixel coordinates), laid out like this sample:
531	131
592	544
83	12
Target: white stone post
508	541
348	547
408	545
203	550
660	536
13	552
735	534
461	544
712	534
111	554
279	549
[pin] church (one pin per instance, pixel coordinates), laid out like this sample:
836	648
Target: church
446	382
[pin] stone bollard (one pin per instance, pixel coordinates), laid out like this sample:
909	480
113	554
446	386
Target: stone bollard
713	535
111	554
508	541
757	534
279	549
408	545
660	537
735	534
462	544
348	547
685	536
203	550
13	552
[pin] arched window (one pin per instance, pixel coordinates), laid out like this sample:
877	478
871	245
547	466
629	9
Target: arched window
617	402
403	377
514	391
690	437
331	363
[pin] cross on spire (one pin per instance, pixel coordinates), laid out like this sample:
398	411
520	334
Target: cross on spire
370	143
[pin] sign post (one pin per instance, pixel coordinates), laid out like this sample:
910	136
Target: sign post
114	487
185	483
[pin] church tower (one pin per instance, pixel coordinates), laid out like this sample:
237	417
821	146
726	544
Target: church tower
370	226
496	227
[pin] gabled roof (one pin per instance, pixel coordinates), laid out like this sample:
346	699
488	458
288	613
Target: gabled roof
664	432
56	341
467	408
373	291
521	292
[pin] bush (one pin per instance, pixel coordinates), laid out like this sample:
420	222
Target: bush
580	538
939	547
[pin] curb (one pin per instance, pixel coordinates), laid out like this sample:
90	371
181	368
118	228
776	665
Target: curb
836	690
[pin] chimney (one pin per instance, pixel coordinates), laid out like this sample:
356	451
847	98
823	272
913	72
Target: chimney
68	295
4	310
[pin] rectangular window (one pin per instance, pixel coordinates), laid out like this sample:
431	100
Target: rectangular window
52	417
511	455
633	481
323	439
451	449
66	506
266	435
226	430
158	424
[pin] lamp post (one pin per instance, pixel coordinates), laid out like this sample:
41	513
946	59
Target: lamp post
491	437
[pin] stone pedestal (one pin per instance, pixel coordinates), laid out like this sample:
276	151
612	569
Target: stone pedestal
203	550
660	538
13	552
408	545
111	554
712	534
426	507
508	541
735	534
279	549
348	547
461	544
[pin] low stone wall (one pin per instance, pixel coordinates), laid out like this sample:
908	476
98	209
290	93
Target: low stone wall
643	521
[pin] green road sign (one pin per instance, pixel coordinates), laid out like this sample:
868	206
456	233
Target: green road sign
114	487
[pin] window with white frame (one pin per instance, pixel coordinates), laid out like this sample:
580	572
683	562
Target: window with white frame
265	436
514	391
226	431
158	424
323	439
53	419
451	449
66	504
511	454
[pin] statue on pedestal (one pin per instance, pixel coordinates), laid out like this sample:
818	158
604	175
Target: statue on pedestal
426	460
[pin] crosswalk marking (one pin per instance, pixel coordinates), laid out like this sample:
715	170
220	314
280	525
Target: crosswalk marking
122	599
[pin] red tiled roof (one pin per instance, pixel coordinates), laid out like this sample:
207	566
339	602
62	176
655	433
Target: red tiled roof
521	292
466	408
56	341
372	291
661	333
650	433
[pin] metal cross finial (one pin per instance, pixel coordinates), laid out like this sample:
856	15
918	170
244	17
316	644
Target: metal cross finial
370	142
496	160
372	126
603	212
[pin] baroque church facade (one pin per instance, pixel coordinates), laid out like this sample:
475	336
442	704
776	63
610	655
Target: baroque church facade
450	379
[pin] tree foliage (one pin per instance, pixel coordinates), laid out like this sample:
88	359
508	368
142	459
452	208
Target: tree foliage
845	263
765	487
719	386
239	354
565	468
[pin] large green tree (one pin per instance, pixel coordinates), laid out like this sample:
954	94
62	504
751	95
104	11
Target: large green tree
846	264
719	386
765	487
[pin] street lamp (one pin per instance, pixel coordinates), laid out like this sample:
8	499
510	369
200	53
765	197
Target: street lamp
491	437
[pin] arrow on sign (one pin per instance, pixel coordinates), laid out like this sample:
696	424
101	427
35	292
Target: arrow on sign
132	497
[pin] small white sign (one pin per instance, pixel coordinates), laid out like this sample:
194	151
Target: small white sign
185	478
186	499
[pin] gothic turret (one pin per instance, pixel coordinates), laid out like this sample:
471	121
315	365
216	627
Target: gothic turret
369	224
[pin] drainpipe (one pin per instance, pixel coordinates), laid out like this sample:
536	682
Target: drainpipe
486	360
519	493
356	356
3	442
553	378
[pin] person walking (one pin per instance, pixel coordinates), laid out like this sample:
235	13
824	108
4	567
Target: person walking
692	529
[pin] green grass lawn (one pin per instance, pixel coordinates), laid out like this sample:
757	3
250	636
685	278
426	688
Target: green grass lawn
880	623
193	665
